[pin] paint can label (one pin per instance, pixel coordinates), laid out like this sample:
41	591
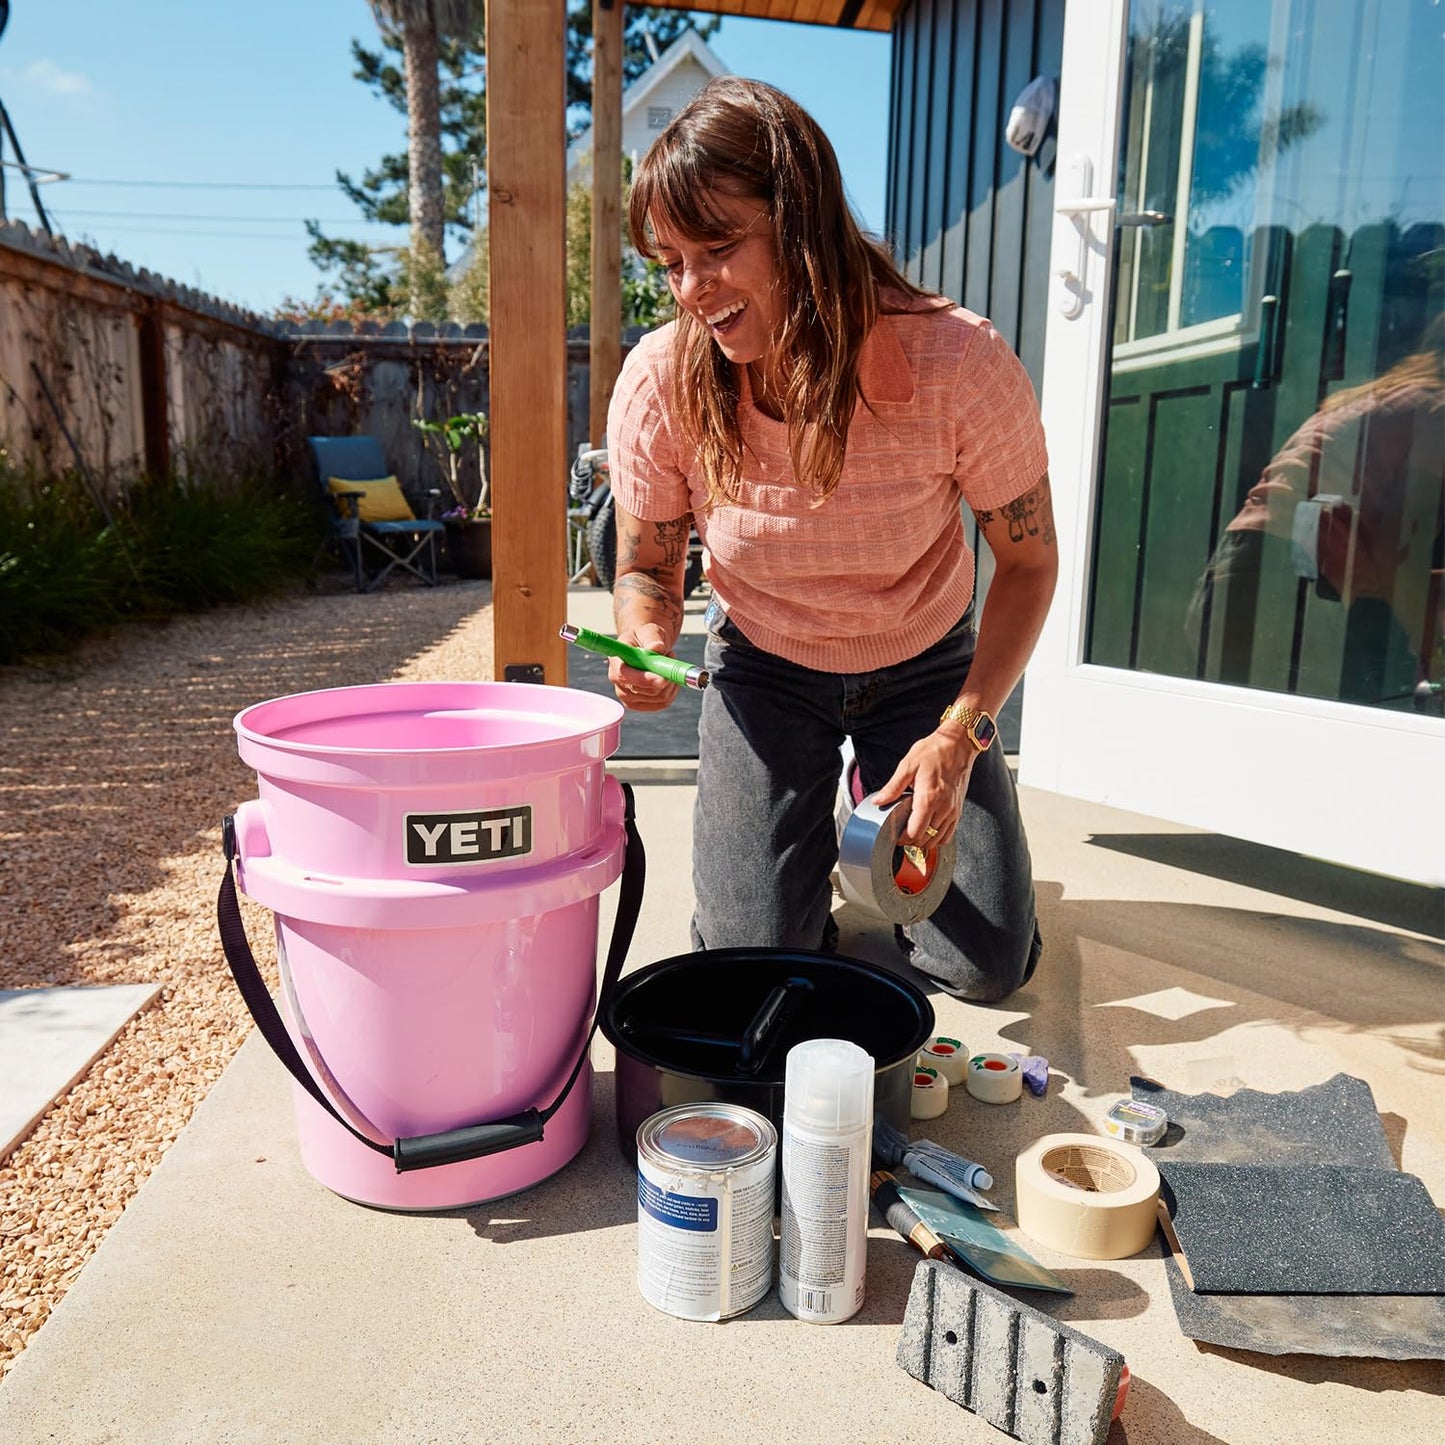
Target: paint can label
705	1210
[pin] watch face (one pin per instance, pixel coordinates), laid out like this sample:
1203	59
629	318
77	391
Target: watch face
984	732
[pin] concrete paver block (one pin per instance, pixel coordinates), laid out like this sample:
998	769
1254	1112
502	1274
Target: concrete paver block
49	1037
1021	1370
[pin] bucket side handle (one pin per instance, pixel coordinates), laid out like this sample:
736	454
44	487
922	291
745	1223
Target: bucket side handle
451	1146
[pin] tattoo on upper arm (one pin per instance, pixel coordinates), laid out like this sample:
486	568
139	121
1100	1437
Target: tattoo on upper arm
672	539
1031	515
629	538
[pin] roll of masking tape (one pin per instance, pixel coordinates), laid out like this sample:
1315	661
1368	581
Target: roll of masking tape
948	1056
1087	1196
994	1078
887	880
930	1093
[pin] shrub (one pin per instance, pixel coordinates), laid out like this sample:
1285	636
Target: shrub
171	545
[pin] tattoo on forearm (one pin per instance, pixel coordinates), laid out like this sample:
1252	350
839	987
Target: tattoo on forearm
1031	515
644	591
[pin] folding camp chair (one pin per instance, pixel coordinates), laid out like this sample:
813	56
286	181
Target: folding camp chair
373	549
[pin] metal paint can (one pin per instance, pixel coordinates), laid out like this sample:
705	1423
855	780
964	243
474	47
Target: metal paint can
705	1180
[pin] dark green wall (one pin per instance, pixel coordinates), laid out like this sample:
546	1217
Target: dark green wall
967	214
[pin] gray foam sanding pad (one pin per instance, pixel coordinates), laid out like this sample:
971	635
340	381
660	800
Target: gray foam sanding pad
1305	1229
1331	1123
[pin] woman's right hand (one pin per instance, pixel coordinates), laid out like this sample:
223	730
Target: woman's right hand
642	691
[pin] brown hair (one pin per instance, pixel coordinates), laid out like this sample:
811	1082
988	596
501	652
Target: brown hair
743	138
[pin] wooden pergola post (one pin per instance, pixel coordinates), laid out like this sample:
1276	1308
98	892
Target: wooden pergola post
605	327
526	186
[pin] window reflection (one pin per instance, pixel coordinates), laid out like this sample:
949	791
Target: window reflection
1272	493
1352	505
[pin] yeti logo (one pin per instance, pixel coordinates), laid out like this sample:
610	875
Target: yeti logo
479	837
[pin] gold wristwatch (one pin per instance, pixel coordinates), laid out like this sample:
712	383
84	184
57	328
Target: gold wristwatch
979	726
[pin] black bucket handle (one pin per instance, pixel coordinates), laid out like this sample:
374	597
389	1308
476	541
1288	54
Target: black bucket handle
451	1146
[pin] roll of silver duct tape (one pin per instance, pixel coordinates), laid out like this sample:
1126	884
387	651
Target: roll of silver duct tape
876	873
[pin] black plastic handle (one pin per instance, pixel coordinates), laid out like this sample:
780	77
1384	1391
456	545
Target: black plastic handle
473	1142
760	1035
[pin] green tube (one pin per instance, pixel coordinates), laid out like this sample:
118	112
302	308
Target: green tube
674	669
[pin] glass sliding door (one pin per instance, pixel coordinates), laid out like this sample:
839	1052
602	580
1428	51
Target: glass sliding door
1246	414
1271	506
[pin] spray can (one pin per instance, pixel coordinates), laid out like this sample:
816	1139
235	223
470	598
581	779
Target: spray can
826	1148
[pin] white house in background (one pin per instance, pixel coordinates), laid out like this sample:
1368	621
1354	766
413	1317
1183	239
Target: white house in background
647	105
651	101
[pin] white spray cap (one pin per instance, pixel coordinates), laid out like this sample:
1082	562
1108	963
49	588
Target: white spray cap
828	1086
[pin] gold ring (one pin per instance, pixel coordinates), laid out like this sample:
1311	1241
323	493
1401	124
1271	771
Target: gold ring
932	832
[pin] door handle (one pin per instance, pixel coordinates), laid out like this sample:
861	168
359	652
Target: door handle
1079	208
1145	218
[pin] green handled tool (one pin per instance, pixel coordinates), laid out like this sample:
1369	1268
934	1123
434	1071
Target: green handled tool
674	669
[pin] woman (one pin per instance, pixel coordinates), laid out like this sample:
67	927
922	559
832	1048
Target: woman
819	418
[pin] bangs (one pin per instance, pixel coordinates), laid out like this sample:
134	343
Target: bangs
675	186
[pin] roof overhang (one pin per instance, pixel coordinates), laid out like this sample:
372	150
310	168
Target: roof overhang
846	14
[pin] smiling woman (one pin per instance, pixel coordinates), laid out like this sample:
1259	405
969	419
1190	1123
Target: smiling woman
821	419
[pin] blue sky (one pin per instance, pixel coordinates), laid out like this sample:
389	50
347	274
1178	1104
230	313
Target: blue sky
257	102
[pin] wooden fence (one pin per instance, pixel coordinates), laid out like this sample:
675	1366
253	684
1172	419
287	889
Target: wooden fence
119	371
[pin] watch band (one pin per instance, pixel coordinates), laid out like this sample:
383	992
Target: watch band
978	724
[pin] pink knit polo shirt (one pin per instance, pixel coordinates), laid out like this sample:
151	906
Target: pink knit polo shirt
880	571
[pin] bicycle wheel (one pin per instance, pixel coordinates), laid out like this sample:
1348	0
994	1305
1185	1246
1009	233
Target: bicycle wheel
602	543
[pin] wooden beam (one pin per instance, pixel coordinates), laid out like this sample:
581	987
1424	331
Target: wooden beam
526	185
605	327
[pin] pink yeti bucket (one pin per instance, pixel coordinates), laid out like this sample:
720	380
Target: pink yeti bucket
433	854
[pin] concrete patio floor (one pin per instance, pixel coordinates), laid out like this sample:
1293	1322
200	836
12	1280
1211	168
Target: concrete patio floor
238	1300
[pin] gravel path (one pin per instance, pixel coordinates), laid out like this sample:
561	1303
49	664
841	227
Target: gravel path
115	772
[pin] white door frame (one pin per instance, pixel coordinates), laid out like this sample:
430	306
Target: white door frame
1359	786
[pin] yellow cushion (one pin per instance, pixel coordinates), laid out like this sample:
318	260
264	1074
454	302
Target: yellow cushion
380	501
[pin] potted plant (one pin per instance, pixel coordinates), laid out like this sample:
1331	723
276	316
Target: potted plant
469	520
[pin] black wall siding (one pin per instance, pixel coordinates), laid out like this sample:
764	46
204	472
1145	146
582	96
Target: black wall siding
956	177
986	122
939	135
905	47
968	214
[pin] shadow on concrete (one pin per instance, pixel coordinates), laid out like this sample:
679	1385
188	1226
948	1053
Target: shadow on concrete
1377	1376
1150	1415
1360	978
1393	902
597	1190
671	733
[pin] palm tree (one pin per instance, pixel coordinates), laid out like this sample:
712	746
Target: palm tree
420	24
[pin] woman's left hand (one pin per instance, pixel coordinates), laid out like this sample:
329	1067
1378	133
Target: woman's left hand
937	769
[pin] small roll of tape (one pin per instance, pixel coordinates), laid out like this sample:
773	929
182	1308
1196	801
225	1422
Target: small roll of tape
948	1056
879	876
1087	1196
994	1078
1136	1122
930	1094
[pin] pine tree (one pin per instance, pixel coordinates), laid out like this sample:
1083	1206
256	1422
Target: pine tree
374	280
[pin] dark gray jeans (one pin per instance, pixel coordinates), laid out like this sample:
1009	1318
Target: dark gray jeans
764	837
